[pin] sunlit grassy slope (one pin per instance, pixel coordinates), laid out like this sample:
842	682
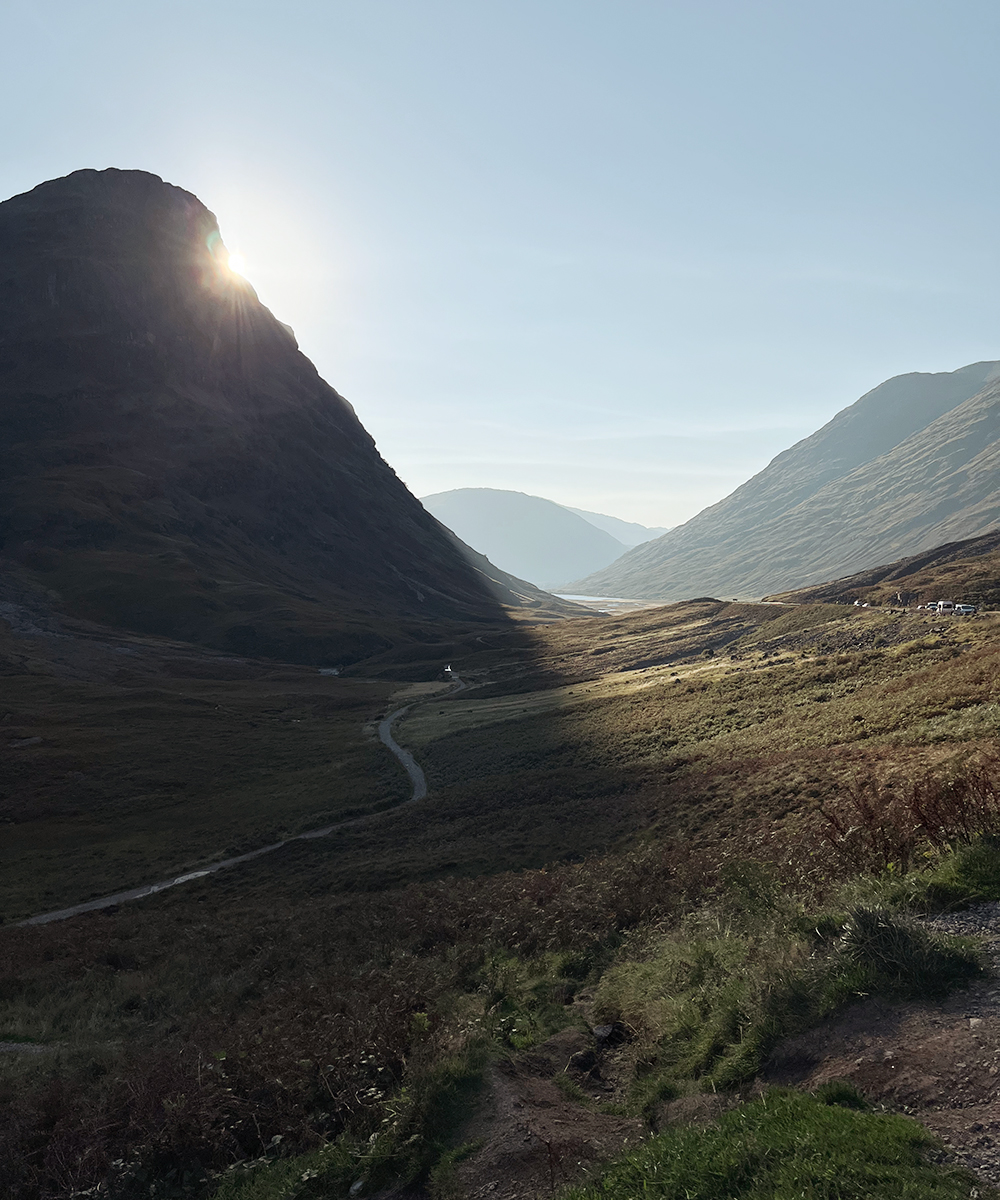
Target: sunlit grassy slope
678	720
963	572
307	995
687	718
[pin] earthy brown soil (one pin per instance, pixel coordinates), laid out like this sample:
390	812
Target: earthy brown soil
939	1063
534	1138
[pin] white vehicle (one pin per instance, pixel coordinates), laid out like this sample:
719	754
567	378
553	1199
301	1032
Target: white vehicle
944	606
964	610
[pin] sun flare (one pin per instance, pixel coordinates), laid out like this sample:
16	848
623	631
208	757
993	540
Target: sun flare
238	264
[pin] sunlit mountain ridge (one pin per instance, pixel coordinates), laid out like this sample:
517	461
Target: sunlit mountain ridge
909	466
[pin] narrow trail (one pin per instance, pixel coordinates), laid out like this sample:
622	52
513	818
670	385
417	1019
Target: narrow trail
409	763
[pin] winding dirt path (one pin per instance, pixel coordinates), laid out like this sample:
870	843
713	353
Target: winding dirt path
409	763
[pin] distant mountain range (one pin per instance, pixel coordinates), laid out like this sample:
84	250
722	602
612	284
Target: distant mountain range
171	463
911	465
534	538
629	533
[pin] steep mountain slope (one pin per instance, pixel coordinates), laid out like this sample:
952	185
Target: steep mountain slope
533	538
908	466
629	533
171	463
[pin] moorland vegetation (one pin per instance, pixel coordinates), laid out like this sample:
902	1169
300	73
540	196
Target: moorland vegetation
969	569
696	828
708	824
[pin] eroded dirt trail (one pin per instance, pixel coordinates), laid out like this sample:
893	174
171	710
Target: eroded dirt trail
532	1138
410	764
937	1062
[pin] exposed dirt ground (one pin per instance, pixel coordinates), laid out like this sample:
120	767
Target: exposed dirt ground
536	1139
939	1063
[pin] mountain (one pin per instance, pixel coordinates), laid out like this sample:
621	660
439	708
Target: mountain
171	463
910	465
964	572
533	538
629	533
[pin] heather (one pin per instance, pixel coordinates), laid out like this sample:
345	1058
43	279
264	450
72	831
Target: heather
677	812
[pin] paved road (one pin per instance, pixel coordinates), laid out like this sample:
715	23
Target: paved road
385	734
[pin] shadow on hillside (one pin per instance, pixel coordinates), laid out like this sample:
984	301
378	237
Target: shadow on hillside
539	760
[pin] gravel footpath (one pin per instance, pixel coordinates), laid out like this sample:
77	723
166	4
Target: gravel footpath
983	921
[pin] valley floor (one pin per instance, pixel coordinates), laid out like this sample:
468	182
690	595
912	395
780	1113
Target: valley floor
587	793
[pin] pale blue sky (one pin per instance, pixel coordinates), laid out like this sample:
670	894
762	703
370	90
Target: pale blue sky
618	254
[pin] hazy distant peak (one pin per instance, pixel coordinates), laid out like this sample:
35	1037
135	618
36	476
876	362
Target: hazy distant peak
529	536
629	533
482	491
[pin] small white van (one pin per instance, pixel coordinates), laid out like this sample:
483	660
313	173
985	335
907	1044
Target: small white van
945	606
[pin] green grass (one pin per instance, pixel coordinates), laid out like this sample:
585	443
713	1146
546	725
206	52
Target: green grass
953	879
787	1146
308	968
708	997
880	952
414	1142
968	874
133	781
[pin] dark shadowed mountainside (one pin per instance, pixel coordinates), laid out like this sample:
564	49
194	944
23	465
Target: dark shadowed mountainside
963	572
910	465
531	537
171	463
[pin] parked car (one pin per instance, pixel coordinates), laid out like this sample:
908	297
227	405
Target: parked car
965	610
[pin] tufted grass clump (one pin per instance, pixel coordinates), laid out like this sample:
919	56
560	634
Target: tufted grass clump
414	1143
706	999
894	955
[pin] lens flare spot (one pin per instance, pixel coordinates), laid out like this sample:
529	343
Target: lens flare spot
238	264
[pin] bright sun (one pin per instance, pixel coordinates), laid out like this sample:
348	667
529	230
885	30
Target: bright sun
237	263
